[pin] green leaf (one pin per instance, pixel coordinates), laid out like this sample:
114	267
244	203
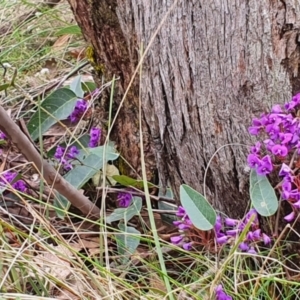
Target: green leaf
110	152
126	213
88	86
127	242
81	174
128	181
262	195
73	29
200	212
75	86
60	104
4	86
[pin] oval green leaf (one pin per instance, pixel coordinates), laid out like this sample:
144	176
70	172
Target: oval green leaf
127	242
262	195
76	87
80	174
200	212
57	106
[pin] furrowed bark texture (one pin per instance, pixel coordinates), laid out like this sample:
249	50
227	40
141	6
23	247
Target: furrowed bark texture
213	67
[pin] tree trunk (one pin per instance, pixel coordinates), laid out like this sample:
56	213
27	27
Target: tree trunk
212	67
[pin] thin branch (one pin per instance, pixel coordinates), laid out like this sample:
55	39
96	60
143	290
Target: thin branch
14	133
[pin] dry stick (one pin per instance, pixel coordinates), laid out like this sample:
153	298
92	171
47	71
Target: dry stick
14	133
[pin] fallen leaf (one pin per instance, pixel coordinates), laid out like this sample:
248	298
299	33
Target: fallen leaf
53	264
61	42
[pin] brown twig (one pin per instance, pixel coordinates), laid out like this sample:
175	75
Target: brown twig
14	133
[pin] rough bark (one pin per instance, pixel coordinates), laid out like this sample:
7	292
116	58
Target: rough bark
213	66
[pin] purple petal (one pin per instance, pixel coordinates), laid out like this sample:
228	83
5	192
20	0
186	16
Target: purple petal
290	217
279	150
222	240
244	246
233	232
180	212
253	160
252	251
256	234
266	239
285	170
296	204
187	246
176	239
184	226
231	222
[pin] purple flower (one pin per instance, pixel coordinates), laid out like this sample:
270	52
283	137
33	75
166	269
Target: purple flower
20	186
187	246
2	136
180	212
257	125
8	177
252	250
59	152
277	109
176	239
285	137
244	246
269	144
273	131
265	166
124	199
79	110
218	224
291	105
290	217
266	239
280	150
253	160
232	232
256	234
177	223
95	136
220	294
222	239
66	164
250	236
72	152
285	170
231	222
286	189
256	148
183	226
296	204
298	147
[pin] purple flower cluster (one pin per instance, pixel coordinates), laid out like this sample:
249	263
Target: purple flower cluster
220	294
183	225
228	233
65	156
290	190
282	130
8	177
95	136
225	233
124	199
80	108
282	145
